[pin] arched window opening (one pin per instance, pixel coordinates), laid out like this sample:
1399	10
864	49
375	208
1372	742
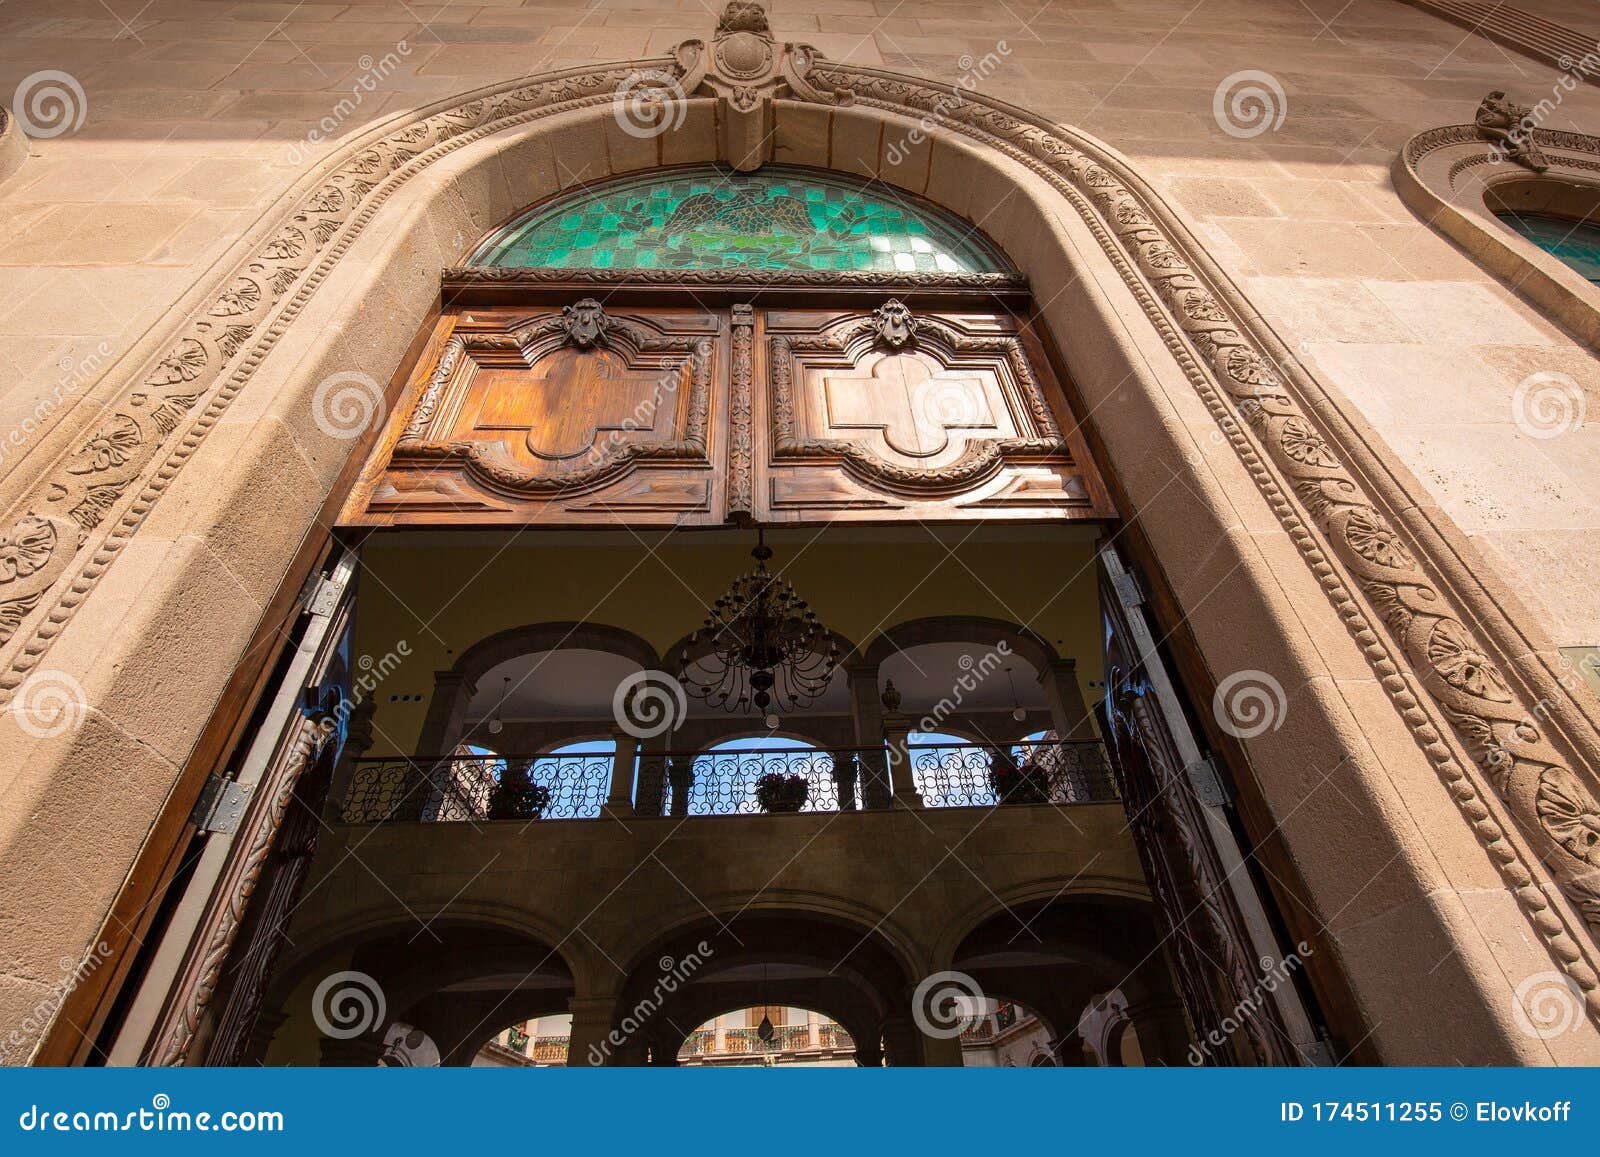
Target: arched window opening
759	774
769	1035
1005	1034
1575	243
710	217
538	1043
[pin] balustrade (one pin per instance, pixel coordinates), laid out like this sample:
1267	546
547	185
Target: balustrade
733	781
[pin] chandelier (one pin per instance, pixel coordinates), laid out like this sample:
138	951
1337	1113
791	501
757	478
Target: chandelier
761	647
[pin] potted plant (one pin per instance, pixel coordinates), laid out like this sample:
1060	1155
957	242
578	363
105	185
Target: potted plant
515	798
777	792
1013	784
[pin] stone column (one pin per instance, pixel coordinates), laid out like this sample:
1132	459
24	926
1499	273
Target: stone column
1163	1032
813	1030
680	774
1069	714
651	791
619	801
719	1035
593	1018
867	711
447	713
896	730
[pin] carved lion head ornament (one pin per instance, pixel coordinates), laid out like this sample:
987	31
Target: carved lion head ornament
896	327
586	323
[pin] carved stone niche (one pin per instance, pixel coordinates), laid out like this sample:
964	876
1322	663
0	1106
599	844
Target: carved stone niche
948	415
570	415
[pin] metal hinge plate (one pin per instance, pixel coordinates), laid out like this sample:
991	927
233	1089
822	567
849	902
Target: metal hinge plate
1207	782
221	805
1128	589
323	599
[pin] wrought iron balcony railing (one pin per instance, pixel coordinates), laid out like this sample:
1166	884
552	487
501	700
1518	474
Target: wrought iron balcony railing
730	781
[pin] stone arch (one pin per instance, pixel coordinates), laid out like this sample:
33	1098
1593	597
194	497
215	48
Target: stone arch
1026	644
452	689
1381	584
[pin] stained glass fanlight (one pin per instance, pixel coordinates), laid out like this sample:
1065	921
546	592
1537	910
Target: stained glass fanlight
775	219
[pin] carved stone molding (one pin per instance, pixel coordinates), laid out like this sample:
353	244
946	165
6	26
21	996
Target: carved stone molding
1430	630
1458	177
462	276
979	460
583	325
745	68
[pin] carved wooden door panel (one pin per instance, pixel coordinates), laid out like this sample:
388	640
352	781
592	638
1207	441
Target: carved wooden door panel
558	415
868	414
1231	971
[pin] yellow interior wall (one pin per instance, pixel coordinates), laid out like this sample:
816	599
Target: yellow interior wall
441	592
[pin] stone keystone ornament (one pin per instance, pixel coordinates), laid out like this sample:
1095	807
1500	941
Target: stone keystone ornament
745	68
896	327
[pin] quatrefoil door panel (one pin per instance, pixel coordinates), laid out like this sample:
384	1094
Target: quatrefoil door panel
884	413
567	415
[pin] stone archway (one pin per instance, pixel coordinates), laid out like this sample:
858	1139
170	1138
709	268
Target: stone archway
1406	668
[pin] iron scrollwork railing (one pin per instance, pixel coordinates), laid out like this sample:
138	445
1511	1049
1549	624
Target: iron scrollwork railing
973	775
733	781
468	788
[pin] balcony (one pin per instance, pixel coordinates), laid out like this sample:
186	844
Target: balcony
729	781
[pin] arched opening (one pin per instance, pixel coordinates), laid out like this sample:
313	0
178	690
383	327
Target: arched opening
769	1036
1148	275
539	1042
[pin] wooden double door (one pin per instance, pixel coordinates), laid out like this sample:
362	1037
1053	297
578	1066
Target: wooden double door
674	412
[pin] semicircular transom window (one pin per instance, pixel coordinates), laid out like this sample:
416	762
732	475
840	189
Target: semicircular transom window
1576	244
777	219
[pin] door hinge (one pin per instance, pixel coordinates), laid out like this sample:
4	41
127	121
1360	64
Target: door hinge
1318	1054
221	805
324	597
1206	779
1128	589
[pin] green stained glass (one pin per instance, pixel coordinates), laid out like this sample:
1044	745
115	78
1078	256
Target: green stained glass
1576	244
711	218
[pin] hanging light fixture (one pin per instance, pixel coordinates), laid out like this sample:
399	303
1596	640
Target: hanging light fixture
766	650
1018	711
495	725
